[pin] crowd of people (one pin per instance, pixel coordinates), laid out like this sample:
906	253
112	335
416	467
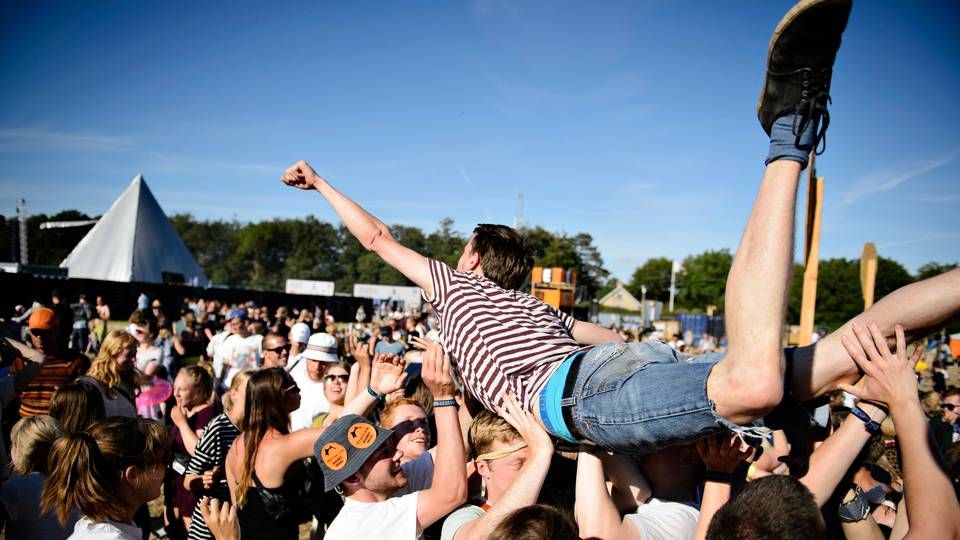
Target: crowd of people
496	416
366	429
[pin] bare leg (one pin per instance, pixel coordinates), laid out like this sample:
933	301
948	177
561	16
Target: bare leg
919	307
748	382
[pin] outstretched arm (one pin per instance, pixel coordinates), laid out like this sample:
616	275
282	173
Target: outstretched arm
368	230
930	500
448	490
721	454
597	516
830	461
586	333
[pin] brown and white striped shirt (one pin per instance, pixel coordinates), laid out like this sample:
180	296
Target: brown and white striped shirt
499	339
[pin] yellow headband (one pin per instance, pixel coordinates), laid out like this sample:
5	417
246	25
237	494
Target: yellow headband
504	452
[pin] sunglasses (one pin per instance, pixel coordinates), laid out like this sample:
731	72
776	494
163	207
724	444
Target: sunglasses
39	333
341	378
279	349
948	406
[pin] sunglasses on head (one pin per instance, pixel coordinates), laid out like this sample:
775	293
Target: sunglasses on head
341	378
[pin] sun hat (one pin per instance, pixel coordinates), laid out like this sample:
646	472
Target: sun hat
345	446
322	347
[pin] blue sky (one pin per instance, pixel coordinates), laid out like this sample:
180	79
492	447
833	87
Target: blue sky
632	121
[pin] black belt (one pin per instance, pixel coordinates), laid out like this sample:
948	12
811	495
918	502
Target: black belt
568	386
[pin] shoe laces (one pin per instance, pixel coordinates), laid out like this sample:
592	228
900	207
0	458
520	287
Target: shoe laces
814	98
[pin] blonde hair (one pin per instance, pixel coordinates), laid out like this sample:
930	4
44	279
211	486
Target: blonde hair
488	428
931	404
201	377
104	367
241	377
30	442
86	468
386	416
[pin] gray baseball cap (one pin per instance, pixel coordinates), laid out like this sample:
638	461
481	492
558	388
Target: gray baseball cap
345	446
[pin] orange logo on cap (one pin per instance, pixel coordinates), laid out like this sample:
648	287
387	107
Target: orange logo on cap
334	455
361	435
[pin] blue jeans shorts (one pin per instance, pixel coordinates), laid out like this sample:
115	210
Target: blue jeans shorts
639	397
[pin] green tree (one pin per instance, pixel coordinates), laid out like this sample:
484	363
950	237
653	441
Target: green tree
655	275
932	269
891	275
704	279
445	244
591	273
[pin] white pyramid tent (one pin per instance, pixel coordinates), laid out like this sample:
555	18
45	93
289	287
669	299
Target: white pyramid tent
133	241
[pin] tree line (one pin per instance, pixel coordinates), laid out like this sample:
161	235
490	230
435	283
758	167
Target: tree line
264	254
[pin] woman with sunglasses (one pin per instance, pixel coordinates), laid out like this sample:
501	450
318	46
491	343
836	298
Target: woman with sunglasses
107	473
265	469
335	391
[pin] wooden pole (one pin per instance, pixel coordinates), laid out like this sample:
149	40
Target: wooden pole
811	251
868	273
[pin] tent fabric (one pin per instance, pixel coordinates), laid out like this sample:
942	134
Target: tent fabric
133	241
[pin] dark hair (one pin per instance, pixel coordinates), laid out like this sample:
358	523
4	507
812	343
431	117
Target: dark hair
77	406
504	255
264	410
536	522
772	507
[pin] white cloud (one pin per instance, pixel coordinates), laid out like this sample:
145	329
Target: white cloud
878	182
30	139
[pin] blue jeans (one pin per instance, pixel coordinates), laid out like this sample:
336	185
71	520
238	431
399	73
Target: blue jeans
640	397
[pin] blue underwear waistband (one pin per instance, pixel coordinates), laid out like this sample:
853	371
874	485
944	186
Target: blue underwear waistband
551	412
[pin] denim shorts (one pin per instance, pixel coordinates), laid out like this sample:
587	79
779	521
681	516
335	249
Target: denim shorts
636	398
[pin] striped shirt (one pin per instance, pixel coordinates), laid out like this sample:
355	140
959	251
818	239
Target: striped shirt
211	452
499	339
54	373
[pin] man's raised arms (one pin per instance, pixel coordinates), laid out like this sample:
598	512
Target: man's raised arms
368	230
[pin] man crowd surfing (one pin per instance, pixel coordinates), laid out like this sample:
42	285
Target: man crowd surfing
495	415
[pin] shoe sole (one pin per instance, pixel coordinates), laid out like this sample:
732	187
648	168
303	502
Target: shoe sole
788	19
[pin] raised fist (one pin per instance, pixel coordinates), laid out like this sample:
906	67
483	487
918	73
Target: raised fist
301	175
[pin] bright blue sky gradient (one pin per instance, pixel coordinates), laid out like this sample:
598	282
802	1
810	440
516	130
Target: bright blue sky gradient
632	121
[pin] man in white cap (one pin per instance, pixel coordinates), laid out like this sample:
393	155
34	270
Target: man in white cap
321	351
299	335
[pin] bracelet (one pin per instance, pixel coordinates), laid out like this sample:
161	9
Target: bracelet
717	476
444	403
872	425
372	392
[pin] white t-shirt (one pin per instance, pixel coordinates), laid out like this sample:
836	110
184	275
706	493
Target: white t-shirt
107	530
312	401
242	353
395	517
665	520
215	350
